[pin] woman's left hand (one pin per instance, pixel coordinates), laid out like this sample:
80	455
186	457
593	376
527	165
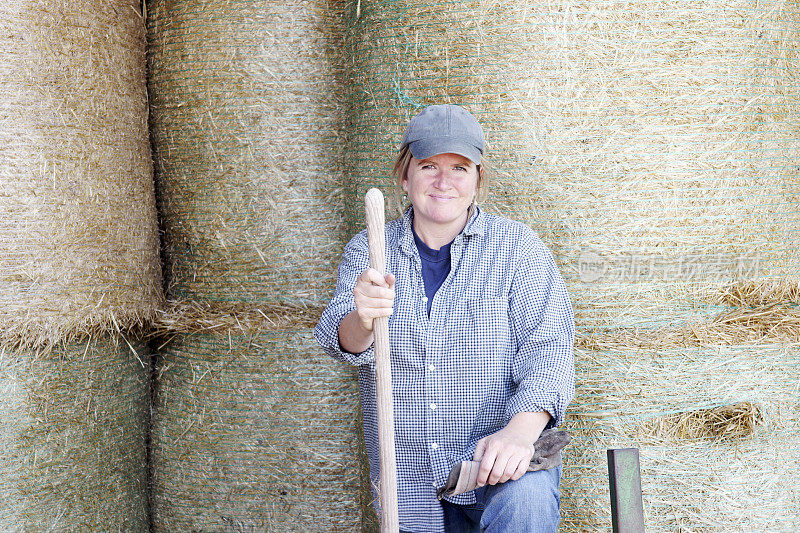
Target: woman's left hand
503	455
507	454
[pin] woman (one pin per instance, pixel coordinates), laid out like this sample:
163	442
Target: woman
481	333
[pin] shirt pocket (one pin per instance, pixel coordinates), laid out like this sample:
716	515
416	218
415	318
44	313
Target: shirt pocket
484	332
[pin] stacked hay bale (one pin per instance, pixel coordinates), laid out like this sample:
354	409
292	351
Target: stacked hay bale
652	146
73	431
246	130
79	266
635	138
254	428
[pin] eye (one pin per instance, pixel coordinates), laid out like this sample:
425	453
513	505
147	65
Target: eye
460	168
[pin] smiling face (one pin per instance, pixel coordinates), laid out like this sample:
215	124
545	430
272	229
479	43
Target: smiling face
441	188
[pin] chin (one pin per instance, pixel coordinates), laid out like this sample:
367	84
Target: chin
446	218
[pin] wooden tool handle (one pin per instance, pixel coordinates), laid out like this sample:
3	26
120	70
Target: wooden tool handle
376	235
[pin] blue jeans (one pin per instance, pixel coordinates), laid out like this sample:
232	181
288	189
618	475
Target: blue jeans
528	505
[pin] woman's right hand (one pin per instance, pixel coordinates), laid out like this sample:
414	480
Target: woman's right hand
374	296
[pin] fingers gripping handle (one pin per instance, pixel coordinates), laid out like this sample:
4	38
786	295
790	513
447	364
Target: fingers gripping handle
376	236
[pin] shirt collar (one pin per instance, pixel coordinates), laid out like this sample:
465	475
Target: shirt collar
476	225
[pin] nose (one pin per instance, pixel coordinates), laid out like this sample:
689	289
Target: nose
442	180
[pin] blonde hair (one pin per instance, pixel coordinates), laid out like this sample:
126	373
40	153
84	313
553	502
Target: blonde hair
400	171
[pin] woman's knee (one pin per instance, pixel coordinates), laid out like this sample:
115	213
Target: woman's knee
528	504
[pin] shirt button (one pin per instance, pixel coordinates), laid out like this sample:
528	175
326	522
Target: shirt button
425	299
434	446
431	367
433	406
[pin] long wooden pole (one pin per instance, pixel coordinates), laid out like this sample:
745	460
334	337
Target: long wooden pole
387	490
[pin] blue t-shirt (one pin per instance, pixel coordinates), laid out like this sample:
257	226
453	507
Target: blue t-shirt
435	266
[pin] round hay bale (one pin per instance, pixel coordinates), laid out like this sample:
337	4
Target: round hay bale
73	425
717	433
652	144
246	129
254	431
79	249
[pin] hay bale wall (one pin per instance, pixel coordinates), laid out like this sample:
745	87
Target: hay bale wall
79	266
246	129
252	433
254	429
73	420
78	232
651	144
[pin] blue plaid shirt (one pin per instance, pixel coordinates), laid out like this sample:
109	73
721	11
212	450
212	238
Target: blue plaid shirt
498	342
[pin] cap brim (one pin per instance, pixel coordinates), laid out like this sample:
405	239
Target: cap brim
425	148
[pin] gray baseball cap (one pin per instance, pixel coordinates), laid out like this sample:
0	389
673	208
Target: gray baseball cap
444	129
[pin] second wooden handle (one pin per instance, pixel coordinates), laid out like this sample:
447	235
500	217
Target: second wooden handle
376	235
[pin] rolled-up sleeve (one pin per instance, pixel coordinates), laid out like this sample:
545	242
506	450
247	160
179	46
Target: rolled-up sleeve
543	325
355	260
